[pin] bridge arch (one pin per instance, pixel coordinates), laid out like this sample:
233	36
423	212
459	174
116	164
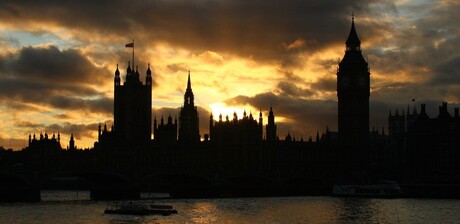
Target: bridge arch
15	187
245	185
9	178
90	176
176	178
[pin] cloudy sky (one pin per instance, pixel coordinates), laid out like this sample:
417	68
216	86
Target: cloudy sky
57	59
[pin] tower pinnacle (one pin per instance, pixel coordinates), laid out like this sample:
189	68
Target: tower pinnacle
189	84
353	42
188	96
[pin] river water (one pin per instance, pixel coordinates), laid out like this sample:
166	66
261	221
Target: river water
75	207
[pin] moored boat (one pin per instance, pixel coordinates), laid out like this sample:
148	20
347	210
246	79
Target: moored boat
384	190
139	209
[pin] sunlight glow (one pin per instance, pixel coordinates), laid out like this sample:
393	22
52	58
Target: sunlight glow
218	109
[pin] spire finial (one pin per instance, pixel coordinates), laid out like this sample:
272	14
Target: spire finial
117	72
353	42
189	84
149	72
352	16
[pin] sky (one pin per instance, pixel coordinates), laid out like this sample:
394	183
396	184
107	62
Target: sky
58	58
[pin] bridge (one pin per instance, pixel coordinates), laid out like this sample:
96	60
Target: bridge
204	170
26	185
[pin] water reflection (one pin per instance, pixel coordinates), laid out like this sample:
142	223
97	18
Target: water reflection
203	212
361	210
68	207
354	210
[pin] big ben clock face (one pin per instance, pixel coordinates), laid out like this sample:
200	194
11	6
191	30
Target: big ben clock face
345	81
363	82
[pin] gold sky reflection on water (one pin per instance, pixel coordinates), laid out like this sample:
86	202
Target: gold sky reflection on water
70	207
261	210
203	212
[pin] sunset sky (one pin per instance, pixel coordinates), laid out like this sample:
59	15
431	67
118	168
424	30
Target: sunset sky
58	59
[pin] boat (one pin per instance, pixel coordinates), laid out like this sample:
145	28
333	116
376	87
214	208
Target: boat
139	209
384	190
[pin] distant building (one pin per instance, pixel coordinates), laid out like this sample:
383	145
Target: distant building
165	133
236	131
433	146
396	124
270	128
353	91
189	131
45	145
72	143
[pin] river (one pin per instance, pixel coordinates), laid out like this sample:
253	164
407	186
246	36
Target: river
75	207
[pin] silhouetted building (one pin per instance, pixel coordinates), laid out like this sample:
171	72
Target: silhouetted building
71	143
188	121
395	145
45	145
234	159
270	128
353	91
133	107
397	124
106	138
165	133
411	117
237	131
433	147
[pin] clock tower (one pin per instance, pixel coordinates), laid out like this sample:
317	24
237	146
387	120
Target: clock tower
353	91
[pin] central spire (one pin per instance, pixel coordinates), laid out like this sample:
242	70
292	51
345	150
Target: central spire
189	84
188	96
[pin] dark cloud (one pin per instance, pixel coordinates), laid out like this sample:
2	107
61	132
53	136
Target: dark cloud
48	76
178	67
291	89
325	84
447	72
424	48
29	124
262	29
52	65
62	116
404	92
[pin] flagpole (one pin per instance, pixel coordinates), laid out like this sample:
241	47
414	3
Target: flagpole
133	55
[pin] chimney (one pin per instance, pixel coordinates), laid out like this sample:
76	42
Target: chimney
422	109
443	108
443	113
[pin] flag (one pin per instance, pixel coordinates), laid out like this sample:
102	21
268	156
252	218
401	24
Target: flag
130	45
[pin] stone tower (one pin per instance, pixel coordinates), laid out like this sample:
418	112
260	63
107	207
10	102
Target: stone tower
133	108
188	121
